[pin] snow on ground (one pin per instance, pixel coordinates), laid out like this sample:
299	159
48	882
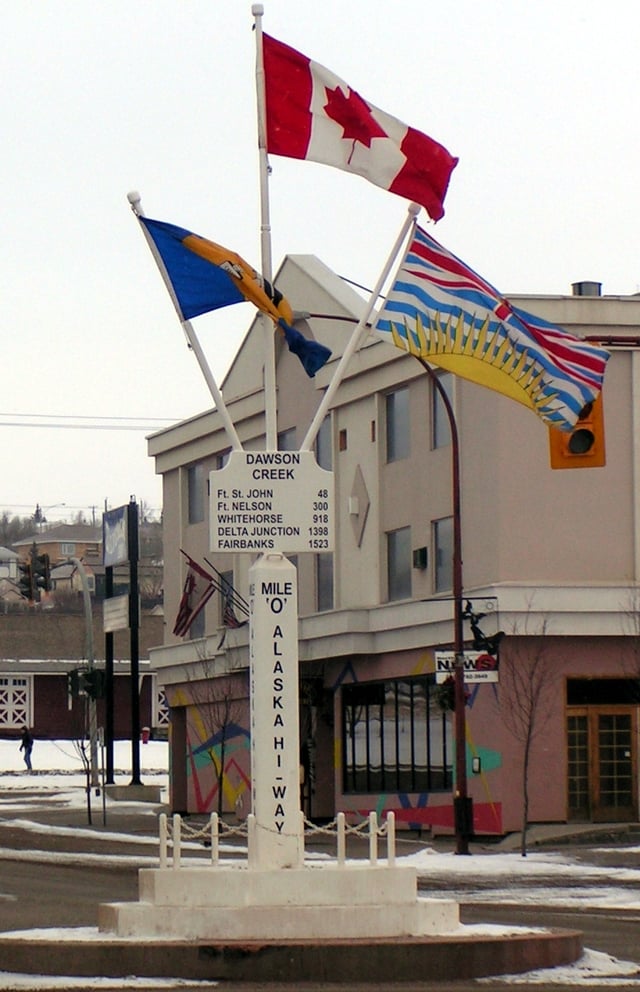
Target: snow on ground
58	779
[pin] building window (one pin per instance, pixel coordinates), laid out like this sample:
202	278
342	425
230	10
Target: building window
324	581
16	702
287	440
441	427
226	596
395	737
195	493
222	458
324	448
399	563
68	549
197	628
443	546
397	421
161	715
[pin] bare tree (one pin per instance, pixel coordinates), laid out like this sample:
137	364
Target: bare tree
217	711
527	684
631	626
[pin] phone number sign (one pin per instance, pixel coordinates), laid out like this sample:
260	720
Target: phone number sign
271	501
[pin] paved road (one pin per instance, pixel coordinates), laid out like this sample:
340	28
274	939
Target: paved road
66	894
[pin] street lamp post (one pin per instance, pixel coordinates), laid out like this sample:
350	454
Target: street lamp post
39	514
462	803
93	713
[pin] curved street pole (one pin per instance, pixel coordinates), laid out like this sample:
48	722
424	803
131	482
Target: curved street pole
463	817
93	713
463	810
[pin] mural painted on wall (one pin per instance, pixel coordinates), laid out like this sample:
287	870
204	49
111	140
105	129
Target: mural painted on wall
217	745
397	748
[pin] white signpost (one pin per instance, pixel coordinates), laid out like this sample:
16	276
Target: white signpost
271	501
275	734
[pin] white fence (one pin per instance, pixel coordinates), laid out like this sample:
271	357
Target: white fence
174	829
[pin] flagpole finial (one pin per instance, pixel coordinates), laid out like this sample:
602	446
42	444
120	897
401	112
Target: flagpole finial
135	200
257	9
414	209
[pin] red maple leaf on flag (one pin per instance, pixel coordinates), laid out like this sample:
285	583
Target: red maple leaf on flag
353	115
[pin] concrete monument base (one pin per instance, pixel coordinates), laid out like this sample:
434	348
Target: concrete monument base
240	903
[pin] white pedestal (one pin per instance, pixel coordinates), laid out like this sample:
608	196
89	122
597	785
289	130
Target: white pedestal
312	902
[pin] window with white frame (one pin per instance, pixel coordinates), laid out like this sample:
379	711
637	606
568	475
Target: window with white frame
397	424
443	556
195	493
67	548
16	701
161	711
399	563
440	424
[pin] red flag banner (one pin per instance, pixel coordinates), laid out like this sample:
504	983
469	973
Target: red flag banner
229	618
313	114
198	589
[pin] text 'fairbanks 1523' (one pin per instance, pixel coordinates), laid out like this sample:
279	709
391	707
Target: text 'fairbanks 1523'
271	501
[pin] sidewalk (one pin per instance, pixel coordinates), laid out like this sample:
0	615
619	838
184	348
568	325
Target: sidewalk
551	834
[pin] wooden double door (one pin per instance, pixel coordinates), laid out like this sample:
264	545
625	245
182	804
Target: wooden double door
602	746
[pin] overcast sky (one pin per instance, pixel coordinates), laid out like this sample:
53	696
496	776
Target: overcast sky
537	101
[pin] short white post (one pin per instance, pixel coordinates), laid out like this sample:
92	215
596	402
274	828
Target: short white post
373	838
342	839
215	850
391	839
176	840
302	826
162	839
251	840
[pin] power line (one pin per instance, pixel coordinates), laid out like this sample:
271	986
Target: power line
80	427
94	423
82	416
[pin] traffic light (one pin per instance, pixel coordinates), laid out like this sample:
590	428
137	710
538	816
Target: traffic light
25	580
41	572
86	682
73	683
92	682
583	447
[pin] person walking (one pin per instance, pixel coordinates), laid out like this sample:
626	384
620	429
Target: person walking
26	745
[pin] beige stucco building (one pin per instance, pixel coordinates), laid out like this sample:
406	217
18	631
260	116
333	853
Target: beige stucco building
551	557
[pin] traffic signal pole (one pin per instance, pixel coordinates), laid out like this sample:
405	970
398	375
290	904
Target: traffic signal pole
134	625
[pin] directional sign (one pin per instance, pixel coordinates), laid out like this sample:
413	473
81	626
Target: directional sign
115	613
478	666
272	501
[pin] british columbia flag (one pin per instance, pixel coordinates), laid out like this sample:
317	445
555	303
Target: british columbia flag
442	311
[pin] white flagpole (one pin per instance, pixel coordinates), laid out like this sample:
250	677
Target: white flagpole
270	413
136	206
352	344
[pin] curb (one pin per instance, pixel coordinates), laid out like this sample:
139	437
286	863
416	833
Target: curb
447	958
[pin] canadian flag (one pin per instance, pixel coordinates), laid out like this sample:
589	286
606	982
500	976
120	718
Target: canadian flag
313	114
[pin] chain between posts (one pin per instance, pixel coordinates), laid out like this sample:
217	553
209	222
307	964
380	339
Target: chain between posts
174	831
